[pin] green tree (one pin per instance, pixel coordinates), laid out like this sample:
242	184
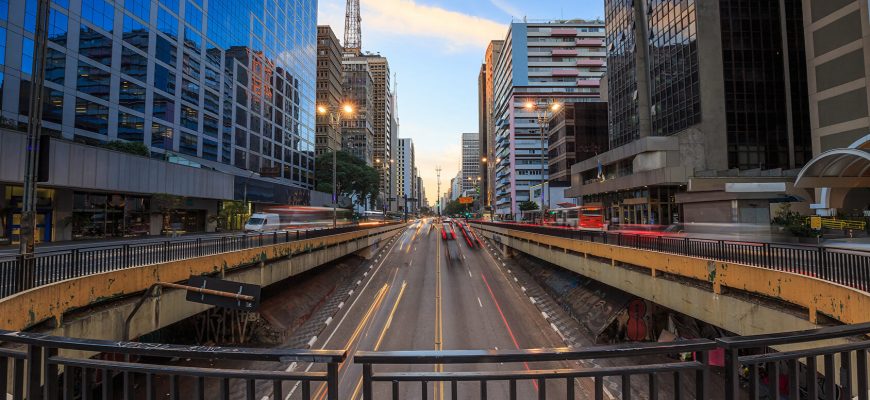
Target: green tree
528	206
354	177
135	148
453	208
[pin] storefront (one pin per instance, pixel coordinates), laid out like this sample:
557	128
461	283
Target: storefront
11	214
101	215
654	205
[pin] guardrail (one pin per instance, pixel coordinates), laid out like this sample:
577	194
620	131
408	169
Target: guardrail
752	352
840	224
18	274
41	373
842	266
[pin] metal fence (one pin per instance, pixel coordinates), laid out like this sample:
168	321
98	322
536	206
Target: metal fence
843	266
751	369
18	274
130	370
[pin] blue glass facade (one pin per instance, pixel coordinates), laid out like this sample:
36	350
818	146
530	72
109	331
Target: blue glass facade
222	80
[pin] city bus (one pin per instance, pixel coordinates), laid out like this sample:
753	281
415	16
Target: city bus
580	217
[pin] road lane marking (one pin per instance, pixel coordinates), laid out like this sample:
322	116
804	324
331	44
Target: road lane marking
439	333
506	325
340	322
479	302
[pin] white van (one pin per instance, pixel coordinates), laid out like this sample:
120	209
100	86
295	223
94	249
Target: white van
263	222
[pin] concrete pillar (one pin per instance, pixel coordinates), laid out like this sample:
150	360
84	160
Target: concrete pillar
62	226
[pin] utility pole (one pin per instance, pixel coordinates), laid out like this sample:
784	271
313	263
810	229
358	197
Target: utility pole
26	238
438	172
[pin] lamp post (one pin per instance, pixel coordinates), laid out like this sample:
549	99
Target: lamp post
543	112
385	166
335	123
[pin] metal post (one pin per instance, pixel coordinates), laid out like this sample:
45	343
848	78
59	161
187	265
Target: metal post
332	381
26	238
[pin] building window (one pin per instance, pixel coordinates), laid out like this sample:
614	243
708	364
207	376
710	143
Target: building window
139	8
99	13
135	33
189	118
95	45
58	27
188	144
92	117
27	56
132	96
130	127
164	80
161	136
93	80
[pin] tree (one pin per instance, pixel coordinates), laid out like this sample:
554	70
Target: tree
135	148
528	206
453	208
354	177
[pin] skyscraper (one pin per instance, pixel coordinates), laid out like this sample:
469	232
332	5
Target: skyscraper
223	109
329	88
358	129
560	61
470	163
405	175
381	109
486	96
707	100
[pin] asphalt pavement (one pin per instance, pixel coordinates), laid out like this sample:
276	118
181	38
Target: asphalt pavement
423	293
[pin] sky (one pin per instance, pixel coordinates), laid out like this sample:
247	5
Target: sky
435	48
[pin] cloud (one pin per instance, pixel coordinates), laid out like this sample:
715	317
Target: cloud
452	30
507	8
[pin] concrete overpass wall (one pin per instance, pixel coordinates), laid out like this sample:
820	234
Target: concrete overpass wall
695	286
108	296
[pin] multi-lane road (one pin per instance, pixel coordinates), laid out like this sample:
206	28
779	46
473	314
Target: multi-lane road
423	293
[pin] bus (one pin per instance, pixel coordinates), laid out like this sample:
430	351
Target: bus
581	217
282	218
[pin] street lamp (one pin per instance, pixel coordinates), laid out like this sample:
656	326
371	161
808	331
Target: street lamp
335	123
385	166
544	113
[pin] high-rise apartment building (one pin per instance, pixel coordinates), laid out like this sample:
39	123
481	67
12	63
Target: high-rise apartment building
223	110
577	131
708	113
381	109
470	163
329	89
358	129
406	178
559	61
486	124
837	39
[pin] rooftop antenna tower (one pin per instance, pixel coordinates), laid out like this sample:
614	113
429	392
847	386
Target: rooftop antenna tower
352	28
438	199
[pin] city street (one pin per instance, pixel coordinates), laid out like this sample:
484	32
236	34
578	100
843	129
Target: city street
419	297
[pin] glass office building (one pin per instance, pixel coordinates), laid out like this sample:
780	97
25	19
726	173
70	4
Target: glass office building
221	81
221	93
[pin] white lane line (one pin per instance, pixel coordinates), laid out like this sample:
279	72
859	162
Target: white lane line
523	288
532	299
340	305
328	320
469	274
329	338
515	280
547	317
350	293
479	302
291	367
311	342
359	281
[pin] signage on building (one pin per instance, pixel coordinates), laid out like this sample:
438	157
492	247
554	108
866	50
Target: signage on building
466	200
270	172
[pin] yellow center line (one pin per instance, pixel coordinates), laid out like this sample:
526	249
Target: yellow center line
439	330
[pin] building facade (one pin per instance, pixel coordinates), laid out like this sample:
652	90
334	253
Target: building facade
358	136
487	122
470	162
837	38
559	61
406	175
708	116
196	89
329	89
578	131
381	109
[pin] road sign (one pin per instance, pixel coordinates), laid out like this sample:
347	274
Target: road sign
816	222
204	282
466	200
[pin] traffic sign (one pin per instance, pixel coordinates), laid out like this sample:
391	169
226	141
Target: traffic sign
466	200
204	282
816	222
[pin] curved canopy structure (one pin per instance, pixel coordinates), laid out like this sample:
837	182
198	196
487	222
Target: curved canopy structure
838	168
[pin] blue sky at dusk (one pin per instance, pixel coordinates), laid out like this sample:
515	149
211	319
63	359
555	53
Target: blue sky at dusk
436	48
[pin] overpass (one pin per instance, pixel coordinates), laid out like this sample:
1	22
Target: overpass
107	276
435	318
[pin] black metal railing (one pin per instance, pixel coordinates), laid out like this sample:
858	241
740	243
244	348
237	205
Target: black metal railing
846	267
131	370
18	273
751	370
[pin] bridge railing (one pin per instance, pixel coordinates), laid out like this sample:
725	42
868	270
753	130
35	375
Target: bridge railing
751	369
696	371
131	370
18	274
846	267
